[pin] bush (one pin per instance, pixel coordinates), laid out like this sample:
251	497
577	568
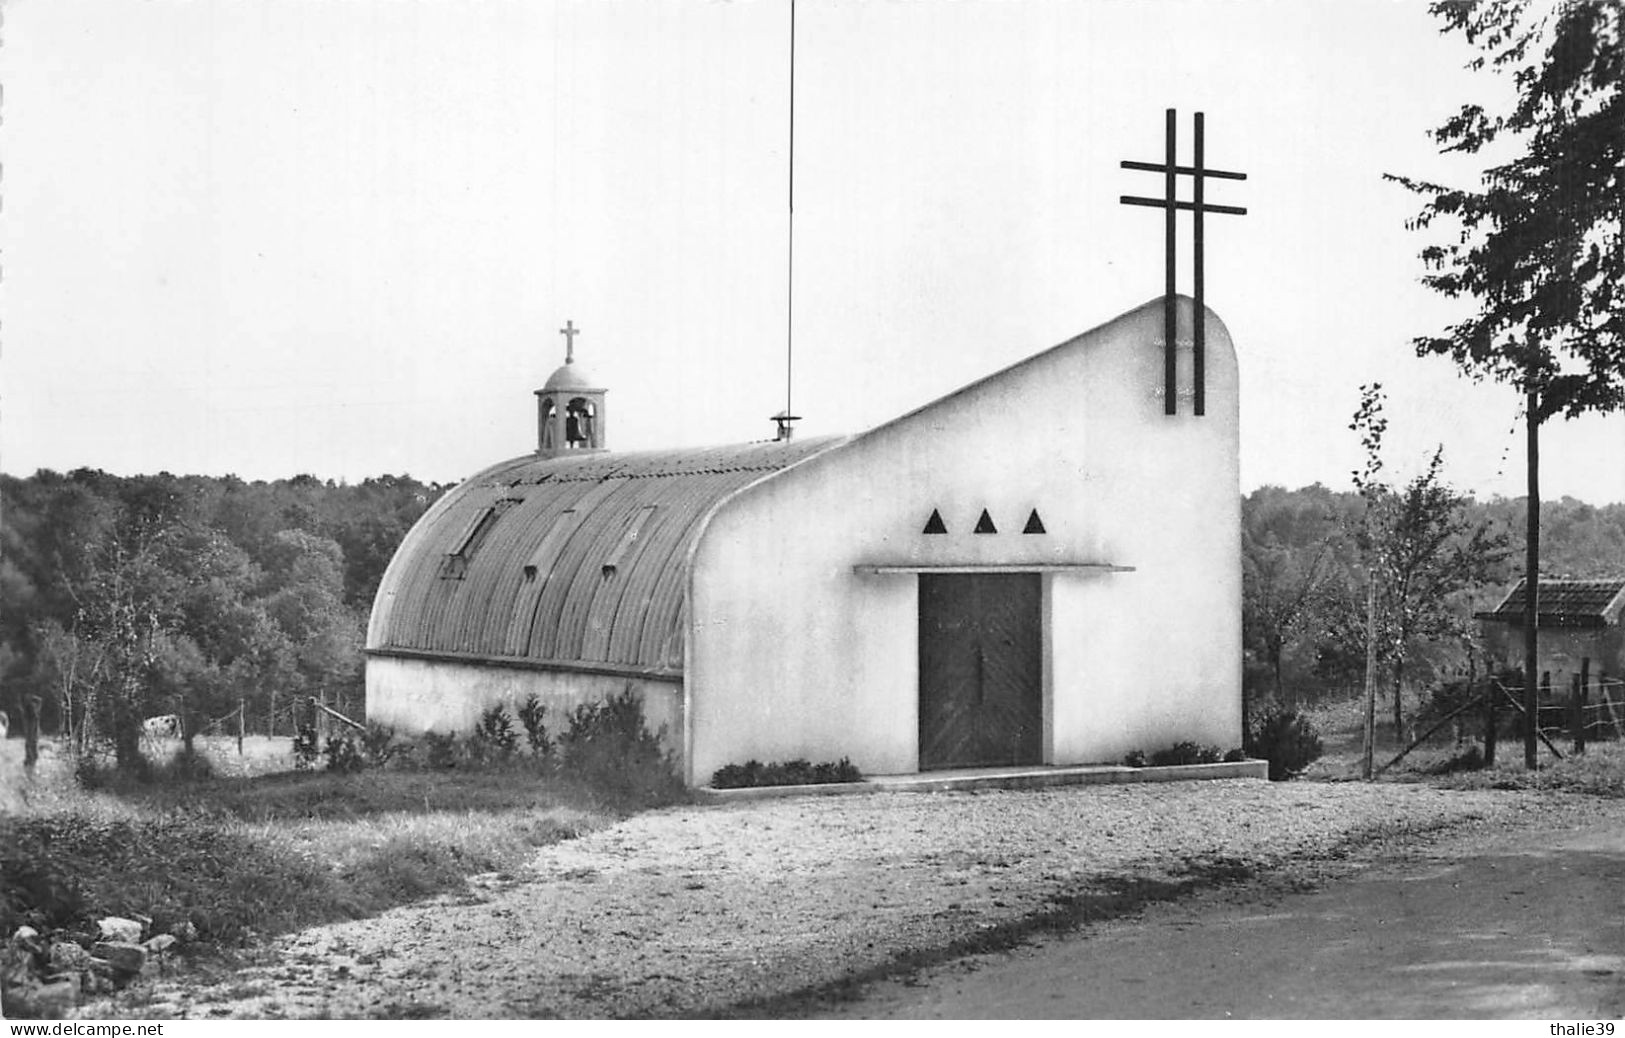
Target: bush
494	738
1445	699
184	868
789	773
97	769
608	747
1134	758
536	735
1285	739
305	748
1185	753
378	745
343	755
442	750
39	890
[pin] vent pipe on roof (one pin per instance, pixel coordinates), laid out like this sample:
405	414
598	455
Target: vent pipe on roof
784	426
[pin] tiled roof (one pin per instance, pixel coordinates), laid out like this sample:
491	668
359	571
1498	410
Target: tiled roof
1566	603
570	560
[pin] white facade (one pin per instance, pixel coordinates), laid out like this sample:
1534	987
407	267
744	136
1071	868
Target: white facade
799	648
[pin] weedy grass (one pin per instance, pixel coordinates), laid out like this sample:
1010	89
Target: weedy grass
1451	763
237	855
1599	771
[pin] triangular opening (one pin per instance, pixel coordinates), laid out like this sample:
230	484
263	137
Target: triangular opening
934	524
985	524
1034	524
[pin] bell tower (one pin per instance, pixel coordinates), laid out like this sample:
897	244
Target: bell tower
570	406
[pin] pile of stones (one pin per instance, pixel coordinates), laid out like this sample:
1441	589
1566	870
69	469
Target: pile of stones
46	976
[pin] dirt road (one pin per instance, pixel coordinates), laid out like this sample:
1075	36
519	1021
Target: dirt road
1522	924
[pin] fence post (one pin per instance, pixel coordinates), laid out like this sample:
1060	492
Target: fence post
1491	694
1544	697
32	704
1585	701
1577	721
242	714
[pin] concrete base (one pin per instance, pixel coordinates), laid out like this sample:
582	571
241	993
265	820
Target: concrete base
998	778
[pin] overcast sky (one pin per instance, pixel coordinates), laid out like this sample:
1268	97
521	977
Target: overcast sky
339	237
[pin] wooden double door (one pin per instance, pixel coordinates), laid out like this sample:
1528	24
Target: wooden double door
981	679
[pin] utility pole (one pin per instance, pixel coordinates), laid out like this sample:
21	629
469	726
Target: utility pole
1370	677
1531	578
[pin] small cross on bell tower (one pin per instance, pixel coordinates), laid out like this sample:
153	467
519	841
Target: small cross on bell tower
570	406
569	331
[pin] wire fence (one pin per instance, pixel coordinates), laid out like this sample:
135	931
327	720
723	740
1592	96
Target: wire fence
286	716
1593	711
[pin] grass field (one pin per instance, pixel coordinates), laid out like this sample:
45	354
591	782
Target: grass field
260	848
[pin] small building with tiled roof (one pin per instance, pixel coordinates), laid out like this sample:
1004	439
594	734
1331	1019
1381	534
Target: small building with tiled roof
1579	624
1042	567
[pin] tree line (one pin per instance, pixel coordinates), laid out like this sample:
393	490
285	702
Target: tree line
1310	559
129	597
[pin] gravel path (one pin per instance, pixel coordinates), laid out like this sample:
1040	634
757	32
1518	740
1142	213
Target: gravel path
709	910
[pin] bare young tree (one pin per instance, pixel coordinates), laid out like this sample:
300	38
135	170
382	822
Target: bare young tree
1421	550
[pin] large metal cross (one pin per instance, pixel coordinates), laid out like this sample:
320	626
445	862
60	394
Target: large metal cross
569	331
1170	204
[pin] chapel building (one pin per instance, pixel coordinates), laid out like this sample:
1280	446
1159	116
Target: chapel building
1041	568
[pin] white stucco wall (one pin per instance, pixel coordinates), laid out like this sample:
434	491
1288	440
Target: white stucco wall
793	654
415	695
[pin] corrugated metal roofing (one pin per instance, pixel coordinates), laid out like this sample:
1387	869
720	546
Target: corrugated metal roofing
573	559
1566	603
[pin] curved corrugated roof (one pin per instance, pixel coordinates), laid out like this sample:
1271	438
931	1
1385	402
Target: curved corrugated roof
577	561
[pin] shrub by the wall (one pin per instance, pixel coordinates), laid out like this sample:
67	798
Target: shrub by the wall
440	750
343	755
1185	753
1287	740
494	737
788	773
531	713
378	745
607	747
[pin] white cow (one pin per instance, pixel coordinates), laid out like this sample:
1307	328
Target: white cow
167	726
5	724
